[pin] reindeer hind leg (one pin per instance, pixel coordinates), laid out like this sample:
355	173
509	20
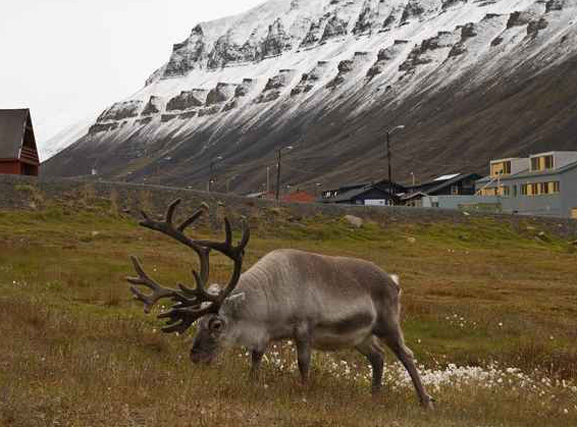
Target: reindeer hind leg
392	335
373	353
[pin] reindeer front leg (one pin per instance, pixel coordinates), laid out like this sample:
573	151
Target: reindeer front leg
303	345
256	359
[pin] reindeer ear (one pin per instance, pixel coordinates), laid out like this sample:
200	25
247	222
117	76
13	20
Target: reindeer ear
234	301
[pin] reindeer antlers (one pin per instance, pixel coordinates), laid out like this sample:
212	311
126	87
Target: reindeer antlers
190	304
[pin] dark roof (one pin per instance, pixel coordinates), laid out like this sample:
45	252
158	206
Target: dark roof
12	128
452	181
430	187
345	196
348	195
383	184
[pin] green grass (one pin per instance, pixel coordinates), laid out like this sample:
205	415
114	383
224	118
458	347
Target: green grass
78	351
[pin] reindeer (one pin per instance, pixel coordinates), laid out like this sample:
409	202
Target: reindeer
318	301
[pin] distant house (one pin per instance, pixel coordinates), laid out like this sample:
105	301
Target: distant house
369	194
544	184
457	184
18	152
298	197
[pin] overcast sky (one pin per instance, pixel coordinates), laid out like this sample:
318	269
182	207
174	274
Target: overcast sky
69	59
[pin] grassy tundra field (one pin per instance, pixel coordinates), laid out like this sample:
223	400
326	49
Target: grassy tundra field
489	309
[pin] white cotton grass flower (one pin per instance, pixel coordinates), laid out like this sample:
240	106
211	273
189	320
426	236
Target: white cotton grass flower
282	358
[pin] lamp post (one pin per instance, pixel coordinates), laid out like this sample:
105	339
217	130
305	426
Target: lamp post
278	164
389	133
213	162
318	185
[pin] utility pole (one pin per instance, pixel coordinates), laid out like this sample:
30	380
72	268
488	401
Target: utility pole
390	169
267	181
213	161
278	164
278	160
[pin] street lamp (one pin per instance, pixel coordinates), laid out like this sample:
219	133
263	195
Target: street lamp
279	158
213	162
389	133
318	185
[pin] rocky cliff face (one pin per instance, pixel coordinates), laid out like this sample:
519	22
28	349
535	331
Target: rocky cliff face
330	76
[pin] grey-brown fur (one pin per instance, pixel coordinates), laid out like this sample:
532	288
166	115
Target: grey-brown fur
320	302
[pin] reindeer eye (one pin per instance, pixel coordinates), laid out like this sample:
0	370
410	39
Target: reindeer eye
216	325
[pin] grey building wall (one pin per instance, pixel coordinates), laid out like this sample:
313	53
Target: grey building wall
460	202
553	205
569	191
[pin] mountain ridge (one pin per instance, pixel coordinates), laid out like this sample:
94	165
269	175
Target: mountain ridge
284	74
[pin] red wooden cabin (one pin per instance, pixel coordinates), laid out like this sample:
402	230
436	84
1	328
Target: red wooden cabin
18	152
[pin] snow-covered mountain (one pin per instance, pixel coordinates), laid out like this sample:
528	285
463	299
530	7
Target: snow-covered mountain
471	80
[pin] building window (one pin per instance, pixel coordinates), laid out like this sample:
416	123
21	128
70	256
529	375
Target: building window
556	187
489	192
544	188
501	168
541	163
514	191
541	188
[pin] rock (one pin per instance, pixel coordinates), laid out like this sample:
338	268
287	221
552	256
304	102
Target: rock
411	240
413	9
276	41
535	26
354	221
224	52
517	19
365	20
553	5
221	93
244	88
120	111
154	106
272	90
497	41
187	55
187	99
313	36
335	27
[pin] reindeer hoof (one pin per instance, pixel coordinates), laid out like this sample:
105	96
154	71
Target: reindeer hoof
428	403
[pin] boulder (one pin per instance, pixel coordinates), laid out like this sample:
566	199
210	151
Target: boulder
354	221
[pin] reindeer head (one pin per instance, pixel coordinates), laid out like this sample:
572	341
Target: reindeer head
198	304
